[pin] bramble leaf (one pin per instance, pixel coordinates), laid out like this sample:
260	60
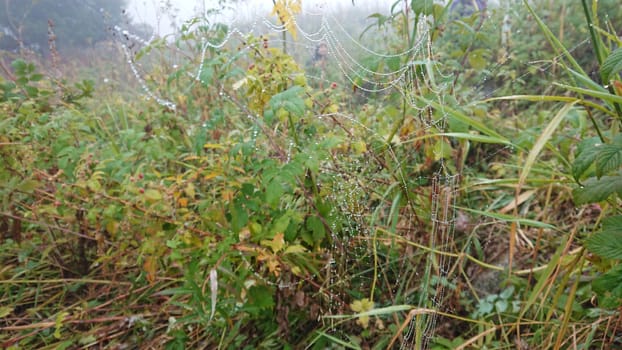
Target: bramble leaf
608	242
596	190
608	158
612	65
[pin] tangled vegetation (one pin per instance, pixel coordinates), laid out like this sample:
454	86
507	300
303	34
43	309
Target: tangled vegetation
272	209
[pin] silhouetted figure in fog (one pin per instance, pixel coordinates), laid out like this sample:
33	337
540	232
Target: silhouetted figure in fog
318	62
321	55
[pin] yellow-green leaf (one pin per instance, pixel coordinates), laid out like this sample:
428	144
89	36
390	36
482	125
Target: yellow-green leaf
296	248
153	195
276	244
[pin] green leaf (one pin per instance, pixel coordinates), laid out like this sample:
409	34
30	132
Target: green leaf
609	288
501	305
28	185
611	66
95	186
422	7
260	297
274	191
58	324
586	153
596	190
5	311
239	217
507	293
608	158
315	225
290	99
477	59
280	224
608	242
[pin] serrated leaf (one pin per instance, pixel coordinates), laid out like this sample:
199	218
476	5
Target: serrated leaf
611	66
596	190
609	288
586	153
608	158
274	191
608	242
260	297
315	225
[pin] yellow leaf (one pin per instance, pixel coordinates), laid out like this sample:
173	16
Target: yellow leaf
213	146
211	175
227	195
297	248
276	243
5	311
359	147
153	195
297	271
150	266
112	227
190	190
285	10
183	202
274	266
237	168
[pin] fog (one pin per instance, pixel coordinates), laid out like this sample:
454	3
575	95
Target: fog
164	15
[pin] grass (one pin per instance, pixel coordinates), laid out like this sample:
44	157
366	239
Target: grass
269	212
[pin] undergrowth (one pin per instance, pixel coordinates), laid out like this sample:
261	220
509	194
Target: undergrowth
270	211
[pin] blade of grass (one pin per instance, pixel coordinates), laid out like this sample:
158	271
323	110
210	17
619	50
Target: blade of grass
510	218
477	125
606	96
339	341
546	135
553	98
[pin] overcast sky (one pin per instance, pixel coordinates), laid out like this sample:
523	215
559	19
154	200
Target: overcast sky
149	11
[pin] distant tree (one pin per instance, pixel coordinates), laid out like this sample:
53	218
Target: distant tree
77	23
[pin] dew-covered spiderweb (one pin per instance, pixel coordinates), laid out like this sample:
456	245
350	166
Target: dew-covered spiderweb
396	191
